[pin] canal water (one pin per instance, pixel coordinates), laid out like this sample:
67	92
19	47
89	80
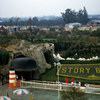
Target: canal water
39	94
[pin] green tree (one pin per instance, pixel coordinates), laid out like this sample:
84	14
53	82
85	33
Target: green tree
35	31
35	21
17	18
4	57
61	29
80	16
69	16
32	37
10	22
86	19
42	33
30	23
73	93
52	29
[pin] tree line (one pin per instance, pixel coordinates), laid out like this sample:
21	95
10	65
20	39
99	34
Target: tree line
34	22
71	16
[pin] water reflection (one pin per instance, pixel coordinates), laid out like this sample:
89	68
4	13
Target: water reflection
39	94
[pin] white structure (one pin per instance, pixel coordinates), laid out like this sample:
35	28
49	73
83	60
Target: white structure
58	57
13	29
94	22
72	25
70	58
27	27
93	58
54	56
83	59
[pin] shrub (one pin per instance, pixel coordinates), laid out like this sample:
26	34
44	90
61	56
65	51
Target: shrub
4	57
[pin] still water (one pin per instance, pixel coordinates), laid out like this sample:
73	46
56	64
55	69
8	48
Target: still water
39	94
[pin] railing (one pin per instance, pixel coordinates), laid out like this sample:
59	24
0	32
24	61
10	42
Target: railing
92	90
40	85
49	85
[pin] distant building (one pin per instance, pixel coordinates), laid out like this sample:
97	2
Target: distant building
27	27
72	25
13	29
1	28
94	22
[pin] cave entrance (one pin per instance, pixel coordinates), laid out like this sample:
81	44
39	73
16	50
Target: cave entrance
27	75
49	57
20	65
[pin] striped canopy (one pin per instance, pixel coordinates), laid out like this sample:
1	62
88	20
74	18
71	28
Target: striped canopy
4	98
21	92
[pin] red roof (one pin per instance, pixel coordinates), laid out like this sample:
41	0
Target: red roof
1	28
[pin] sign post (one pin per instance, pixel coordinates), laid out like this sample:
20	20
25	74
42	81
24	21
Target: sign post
57	64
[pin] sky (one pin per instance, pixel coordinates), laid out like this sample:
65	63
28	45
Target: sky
32	8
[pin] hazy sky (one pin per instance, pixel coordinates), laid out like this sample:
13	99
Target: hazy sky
27	8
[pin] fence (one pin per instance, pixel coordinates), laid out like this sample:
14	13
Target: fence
40	85
54	86
92	90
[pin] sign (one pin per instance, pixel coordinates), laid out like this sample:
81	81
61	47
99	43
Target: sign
83	71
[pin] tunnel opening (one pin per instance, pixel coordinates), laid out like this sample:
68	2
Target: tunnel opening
27	75
25	67
49	57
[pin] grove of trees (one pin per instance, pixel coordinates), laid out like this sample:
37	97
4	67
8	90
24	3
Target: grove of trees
71	16
34	21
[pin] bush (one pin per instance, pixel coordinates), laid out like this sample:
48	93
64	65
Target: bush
79	62
4	57
73	93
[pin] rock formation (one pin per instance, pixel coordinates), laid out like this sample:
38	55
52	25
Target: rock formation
37	52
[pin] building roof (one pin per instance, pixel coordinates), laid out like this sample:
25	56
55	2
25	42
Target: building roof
95	21
1	28
24	64
75	23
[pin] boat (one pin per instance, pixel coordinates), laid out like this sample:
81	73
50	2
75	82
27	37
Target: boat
91	85
68	84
